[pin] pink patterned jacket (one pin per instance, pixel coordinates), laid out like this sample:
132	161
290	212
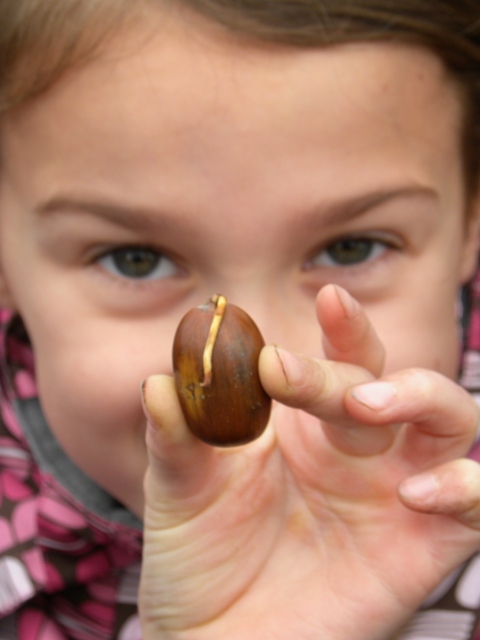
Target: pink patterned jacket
70	555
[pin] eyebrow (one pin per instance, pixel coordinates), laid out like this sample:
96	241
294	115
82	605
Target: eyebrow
356	206
127	216
131	216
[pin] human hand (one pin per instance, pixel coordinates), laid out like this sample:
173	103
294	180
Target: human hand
311	531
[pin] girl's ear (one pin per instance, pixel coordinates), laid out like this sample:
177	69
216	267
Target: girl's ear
6	298
470	259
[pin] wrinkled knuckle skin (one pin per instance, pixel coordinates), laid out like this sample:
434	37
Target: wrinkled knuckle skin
473	424
319	384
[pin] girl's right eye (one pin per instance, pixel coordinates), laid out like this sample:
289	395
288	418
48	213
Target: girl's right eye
138	263
351	252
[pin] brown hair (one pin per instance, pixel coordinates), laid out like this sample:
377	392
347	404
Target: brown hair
41	39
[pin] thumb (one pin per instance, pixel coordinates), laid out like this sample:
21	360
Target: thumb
180	465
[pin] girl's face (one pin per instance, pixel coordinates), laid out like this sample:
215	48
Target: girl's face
186	164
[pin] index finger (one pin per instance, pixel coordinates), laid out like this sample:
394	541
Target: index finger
348	334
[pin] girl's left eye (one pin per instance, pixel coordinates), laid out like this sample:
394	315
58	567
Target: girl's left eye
348	252
139	263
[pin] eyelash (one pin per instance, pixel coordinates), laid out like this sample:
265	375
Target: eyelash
374	247
144	263
159	266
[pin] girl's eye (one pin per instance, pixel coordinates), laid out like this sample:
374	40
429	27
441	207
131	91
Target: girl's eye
349	252
138	263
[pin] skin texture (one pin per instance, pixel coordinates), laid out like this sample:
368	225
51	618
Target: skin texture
241	166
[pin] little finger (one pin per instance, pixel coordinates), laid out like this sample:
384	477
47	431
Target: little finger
450	489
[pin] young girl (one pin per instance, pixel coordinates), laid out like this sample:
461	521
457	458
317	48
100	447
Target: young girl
317	163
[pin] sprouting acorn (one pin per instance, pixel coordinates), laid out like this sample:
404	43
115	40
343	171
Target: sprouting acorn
215	361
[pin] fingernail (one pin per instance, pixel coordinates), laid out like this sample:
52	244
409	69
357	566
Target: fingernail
146	411
375	395
419	488
350	306
293	367
143	389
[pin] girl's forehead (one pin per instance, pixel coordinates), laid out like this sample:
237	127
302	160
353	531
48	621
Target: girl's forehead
150	110
198	70
175	56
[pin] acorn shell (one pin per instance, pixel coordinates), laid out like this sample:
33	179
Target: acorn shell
228	407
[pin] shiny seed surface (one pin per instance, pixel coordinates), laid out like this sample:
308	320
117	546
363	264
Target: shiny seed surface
215	360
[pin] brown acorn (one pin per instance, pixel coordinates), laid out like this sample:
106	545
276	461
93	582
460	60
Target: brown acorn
215	361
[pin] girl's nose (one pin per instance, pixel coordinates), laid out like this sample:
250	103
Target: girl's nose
281	320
